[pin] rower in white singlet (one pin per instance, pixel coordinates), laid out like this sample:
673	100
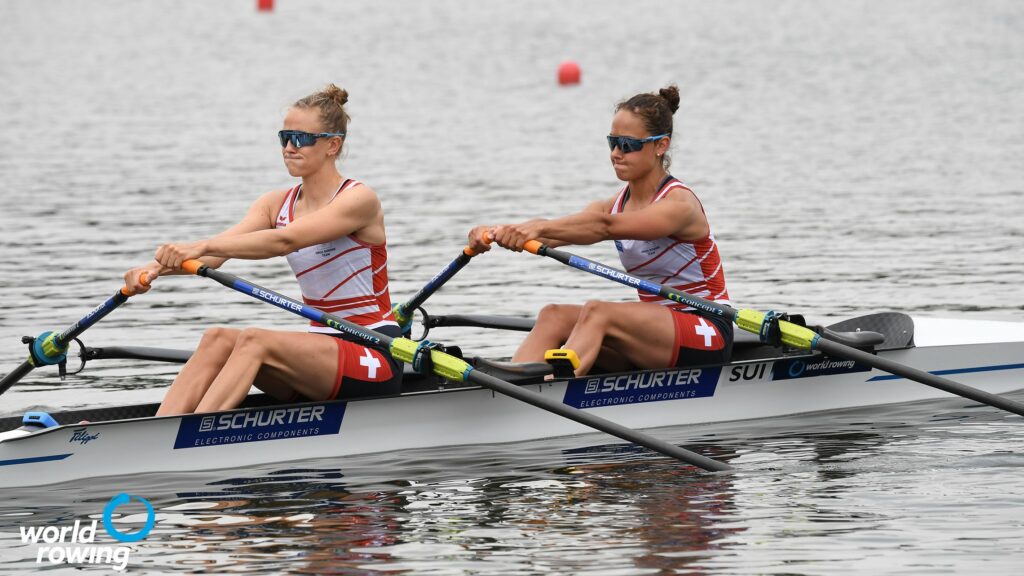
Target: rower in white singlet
662	234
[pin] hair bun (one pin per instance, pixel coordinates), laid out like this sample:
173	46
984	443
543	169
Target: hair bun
671	95
335	94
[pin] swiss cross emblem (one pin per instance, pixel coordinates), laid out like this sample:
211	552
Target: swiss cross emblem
707	331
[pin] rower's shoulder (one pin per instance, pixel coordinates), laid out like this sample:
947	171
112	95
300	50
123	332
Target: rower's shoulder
603	206
360	187
274	197
270	203
683	194
359	193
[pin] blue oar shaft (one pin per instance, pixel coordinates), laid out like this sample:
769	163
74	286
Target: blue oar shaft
92	317
598	269
283	302
404	311
436	282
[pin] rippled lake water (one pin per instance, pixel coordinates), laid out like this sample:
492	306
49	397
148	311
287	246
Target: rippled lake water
853	158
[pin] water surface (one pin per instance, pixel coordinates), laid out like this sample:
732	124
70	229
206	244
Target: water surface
853	158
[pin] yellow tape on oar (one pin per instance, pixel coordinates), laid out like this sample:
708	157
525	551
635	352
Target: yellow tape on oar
445	365
400	317
792	334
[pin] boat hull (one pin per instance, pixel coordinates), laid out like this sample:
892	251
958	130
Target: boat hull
752	389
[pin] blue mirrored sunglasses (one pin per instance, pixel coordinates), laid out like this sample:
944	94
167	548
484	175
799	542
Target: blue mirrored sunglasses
300	139
628	144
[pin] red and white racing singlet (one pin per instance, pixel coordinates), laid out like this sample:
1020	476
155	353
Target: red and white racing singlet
691	267
345	277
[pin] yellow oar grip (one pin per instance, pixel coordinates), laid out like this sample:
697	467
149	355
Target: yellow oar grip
445	365
792	334
191	266
798	336
750	320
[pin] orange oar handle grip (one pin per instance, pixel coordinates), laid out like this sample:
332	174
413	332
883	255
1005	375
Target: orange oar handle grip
470	252
143	279
191	266
533	246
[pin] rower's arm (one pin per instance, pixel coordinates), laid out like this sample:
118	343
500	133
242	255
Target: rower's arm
593	211
674	217
514	236
260	216
347	214
668	217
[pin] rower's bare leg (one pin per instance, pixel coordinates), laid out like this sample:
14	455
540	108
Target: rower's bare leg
309	362
554	324
640	332
195	377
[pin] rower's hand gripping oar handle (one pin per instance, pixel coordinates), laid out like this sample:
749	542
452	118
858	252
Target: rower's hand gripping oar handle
143	279
470	252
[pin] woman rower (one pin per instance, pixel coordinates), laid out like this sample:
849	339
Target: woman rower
662	235
331	230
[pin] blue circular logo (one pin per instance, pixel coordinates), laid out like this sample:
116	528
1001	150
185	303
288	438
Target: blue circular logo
118	500
796	368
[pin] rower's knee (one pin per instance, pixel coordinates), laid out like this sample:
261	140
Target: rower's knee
251	342
557	317
595	313
218	340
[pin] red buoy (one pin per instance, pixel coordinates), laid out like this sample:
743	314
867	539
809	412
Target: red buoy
568	73
265	5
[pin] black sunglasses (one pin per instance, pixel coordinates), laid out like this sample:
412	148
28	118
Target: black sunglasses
300	139
628	144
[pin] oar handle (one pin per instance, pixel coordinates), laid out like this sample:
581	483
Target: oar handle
487	238
143	279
